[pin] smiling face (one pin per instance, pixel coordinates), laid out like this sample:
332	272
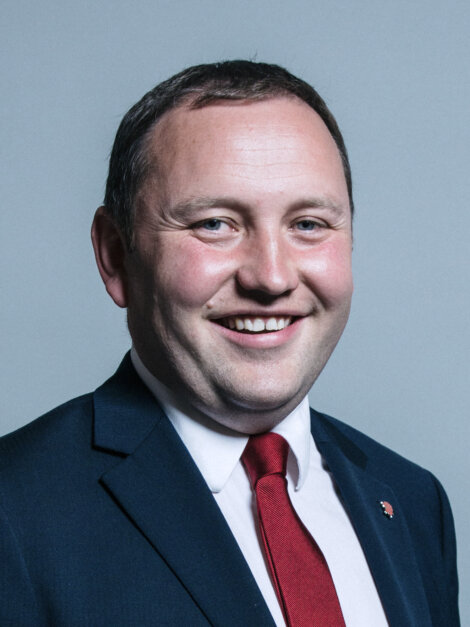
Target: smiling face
239	286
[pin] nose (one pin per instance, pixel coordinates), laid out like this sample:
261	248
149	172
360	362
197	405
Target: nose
267	265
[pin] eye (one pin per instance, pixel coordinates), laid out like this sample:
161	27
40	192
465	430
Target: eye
307	225
308	229
214	224
214	229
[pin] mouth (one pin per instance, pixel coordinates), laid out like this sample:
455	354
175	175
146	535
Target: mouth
256	324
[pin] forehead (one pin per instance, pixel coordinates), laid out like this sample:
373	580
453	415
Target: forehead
267	140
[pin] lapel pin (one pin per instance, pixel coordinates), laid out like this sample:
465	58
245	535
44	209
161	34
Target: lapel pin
387	509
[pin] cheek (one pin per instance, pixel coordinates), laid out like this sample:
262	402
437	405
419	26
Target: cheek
329	273
195	274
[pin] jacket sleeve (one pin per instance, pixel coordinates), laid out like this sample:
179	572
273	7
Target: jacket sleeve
449	556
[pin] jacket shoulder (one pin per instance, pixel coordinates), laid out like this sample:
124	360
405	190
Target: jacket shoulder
362	449
61	428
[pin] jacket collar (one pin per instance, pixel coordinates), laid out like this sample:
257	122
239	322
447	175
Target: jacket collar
125	411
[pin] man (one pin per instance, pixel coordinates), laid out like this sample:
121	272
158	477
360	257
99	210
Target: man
226	233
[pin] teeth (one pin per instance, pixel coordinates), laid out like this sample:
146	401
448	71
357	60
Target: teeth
256	325
273	325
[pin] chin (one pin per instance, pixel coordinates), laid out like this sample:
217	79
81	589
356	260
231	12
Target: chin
250	423
263	407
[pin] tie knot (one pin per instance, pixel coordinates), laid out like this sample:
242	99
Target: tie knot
265	454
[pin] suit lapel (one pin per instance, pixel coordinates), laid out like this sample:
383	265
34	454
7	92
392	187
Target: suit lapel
164	494
386	542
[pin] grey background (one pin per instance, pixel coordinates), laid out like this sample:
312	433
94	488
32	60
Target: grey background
396	76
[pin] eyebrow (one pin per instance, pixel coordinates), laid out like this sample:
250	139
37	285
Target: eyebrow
321	202
192	205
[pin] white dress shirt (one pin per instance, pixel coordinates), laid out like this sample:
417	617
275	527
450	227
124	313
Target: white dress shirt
216	451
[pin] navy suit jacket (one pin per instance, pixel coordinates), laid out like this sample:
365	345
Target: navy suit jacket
105	520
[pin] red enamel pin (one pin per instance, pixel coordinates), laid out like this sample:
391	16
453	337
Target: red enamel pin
387	509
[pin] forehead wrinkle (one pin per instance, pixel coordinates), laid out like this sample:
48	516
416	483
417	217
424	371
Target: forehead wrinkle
273	171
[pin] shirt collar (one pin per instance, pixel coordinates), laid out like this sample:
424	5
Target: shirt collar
215	449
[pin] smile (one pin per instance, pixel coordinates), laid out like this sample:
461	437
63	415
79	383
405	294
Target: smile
246	324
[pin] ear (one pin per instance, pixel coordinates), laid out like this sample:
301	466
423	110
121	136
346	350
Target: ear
110	255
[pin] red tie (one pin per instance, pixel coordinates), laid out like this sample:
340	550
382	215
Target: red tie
299	571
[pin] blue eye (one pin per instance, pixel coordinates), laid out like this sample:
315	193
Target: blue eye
212	225
307	225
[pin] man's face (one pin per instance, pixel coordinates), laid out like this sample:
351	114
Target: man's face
240	283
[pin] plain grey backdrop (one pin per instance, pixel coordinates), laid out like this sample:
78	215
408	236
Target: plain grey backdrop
396	76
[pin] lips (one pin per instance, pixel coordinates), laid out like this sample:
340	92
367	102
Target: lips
255	324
